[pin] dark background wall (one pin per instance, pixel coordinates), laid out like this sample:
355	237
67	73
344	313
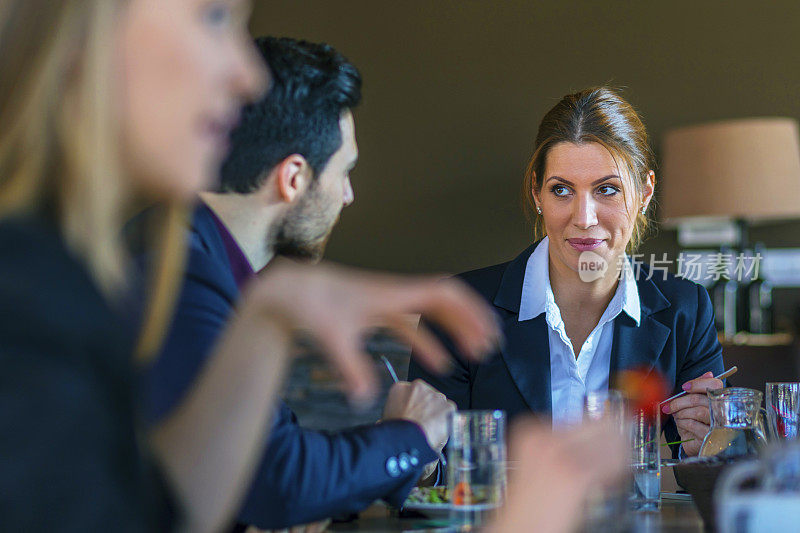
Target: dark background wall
454	91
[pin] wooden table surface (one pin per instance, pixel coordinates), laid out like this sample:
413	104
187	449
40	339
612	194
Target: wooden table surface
674	517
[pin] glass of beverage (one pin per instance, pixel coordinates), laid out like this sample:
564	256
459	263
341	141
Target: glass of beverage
606	404
646	465
476	466
782	403
606	508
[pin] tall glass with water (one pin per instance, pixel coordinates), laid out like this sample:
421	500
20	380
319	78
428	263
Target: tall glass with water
476	466
782	403
646	464
606	507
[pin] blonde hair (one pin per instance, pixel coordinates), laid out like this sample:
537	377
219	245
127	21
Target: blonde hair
601	115
59	143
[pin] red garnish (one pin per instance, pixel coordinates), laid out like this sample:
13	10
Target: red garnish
462	494
645	388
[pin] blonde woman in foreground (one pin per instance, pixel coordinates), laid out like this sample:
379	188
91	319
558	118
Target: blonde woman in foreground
105	106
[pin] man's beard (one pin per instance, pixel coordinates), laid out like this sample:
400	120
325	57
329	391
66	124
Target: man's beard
304	231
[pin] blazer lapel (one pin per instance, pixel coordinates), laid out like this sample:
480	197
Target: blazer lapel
527	356
639	346
527	349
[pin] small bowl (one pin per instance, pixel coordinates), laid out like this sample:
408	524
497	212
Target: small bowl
699	475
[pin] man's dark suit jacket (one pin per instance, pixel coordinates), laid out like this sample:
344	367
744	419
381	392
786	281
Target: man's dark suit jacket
304	476
676	335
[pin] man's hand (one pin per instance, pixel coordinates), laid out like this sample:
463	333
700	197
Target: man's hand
691	412
420	403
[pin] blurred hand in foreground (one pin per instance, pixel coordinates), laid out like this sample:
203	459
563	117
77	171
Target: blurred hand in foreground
337	305
555	473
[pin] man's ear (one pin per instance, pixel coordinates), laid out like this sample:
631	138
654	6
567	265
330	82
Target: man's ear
292	177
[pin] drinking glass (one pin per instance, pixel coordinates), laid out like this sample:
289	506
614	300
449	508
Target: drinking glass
782	404
646	465
606	508
606	404
476	466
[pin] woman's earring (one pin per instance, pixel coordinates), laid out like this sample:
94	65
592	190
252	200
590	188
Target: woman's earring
538	209
644	209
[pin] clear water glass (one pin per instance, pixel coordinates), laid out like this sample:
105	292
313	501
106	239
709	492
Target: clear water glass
607	404
782	404
646	464
476	466
606	508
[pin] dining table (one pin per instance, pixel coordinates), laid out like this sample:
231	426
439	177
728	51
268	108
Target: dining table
675	515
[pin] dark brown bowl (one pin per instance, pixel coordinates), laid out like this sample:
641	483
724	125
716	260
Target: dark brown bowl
698	476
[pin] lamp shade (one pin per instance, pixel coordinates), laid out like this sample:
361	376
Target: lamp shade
747	169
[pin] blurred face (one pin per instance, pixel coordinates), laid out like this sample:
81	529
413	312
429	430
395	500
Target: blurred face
587	203
186	68
306	227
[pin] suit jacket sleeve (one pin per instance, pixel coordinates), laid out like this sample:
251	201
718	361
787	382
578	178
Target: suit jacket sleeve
705	351
704	354
304	475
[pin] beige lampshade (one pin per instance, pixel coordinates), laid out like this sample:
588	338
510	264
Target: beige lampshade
748	169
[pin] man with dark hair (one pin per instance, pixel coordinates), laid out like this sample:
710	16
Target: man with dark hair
282	189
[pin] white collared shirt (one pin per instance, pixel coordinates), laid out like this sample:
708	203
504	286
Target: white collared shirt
570	377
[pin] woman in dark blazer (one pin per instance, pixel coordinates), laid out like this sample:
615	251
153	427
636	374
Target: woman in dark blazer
575	307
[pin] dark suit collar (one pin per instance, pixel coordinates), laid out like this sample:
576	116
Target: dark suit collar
208	258
640	347
204	227
527	349
509	293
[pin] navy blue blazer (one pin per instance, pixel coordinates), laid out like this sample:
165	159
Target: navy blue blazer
676	335
71	455
304	476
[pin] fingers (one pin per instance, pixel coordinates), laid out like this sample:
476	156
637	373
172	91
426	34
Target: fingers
701	414
689	428
463	315
462	312
685	402
427	349
702	384
355	367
